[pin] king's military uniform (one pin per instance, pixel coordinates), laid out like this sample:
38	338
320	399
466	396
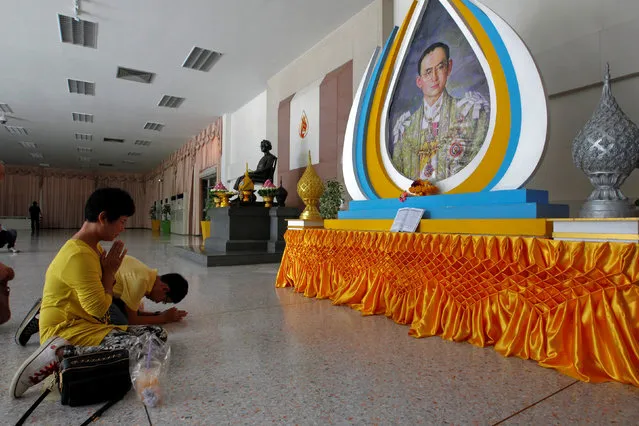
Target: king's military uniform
441	140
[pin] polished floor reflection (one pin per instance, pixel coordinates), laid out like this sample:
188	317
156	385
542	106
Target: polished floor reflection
252	354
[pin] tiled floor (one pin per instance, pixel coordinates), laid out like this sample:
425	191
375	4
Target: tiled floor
252	354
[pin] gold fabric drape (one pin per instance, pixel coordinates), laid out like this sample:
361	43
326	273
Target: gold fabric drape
570	306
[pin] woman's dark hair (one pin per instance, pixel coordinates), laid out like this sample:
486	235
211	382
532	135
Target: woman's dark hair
115	202
178	286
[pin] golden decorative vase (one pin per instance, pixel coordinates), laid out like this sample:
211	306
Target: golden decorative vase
310	188
224	200
268	201
246	195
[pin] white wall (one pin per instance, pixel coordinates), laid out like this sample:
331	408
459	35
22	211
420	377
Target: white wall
355	40
223	173
571	40
400	9
247	128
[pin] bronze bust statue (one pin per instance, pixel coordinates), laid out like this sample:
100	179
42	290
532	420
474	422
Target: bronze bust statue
265	168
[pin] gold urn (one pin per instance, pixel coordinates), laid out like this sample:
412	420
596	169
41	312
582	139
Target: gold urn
310	188
246	187
268	201
247	182
224	199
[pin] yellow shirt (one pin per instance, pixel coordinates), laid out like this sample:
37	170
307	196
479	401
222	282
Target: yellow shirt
74	303
133	281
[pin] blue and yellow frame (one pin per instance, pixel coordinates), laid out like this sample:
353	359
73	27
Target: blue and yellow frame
517	135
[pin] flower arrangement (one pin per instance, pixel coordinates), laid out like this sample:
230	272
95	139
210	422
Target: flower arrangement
268	189
419	187
220	189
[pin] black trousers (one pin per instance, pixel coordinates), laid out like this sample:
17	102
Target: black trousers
8	237
35	225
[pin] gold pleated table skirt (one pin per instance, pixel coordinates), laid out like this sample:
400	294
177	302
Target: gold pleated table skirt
571	306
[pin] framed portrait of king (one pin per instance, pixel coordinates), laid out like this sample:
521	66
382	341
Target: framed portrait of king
440	110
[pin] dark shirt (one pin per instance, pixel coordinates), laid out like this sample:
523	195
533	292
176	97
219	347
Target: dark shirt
34	211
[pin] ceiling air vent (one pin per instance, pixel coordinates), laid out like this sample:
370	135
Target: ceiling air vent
105	164
78	31
84	136
81	87
82	118
128	162
114	140
16	130
36	155
201	59
135	75
154	126
171	101
28	145
84	159
5	108
142	143
134	154
85	149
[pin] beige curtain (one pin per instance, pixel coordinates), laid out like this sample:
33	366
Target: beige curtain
63	200
181	172
209	154
18	190
63	193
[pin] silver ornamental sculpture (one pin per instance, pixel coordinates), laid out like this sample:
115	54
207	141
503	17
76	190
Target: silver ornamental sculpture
607	151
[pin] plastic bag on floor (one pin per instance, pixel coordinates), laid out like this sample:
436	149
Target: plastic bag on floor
150	364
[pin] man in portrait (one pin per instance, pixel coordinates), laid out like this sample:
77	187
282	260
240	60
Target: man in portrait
445	133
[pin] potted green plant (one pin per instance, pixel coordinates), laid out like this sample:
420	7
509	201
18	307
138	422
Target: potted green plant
166	219
154	214
205	224
331	199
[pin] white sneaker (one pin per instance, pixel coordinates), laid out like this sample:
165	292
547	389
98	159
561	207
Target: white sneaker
41	364
14	250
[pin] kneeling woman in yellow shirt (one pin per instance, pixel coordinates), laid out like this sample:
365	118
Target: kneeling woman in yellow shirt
78	291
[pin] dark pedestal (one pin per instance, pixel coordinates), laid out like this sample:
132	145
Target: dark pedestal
241	228
242	235
278	216
203	257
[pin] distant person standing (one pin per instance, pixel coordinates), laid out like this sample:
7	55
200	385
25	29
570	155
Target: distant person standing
35	213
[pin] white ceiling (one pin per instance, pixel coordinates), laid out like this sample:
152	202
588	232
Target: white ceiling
257	38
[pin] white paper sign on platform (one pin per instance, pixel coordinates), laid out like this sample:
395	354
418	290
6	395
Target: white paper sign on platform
305	131
407	220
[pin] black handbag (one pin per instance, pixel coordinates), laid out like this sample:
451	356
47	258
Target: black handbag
96	377
89	379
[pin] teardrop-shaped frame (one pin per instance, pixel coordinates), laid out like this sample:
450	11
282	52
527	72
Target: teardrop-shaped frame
514	146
